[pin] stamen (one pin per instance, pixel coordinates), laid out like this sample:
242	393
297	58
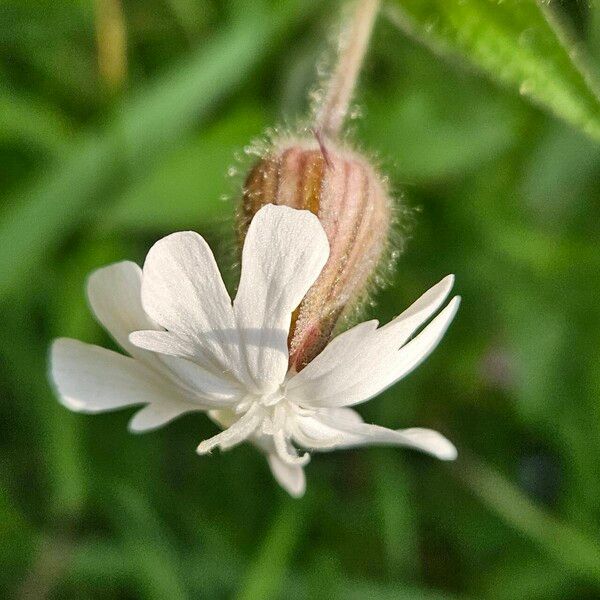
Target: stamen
244	405
312	443
272	398
237	433
287	452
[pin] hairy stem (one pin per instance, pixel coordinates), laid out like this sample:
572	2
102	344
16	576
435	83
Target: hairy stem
353	43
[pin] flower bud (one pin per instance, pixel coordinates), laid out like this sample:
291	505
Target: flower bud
351	201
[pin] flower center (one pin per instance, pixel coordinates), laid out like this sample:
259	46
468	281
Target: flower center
269	415
267	400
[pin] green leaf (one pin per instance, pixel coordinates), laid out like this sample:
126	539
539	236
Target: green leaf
516	42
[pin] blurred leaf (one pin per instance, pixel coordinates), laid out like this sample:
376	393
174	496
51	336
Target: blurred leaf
66	65
33	124
570	548
594	32
397	514
70	316
214	568
559	178
143	129
358	590
434	129
25	356
100	562
516	578
53	556
514	43
265	574
189	185
17	537
189	14
147	547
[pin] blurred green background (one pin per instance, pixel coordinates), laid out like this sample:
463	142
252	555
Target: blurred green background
124	120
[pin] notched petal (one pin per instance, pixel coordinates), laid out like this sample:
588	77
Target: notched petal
362	362
284	252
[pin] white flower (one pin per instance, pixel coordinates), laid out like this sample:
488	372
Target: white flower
190	348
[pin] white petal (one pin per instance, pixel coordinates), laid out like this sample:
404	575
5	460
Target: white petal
92	379
188	366
171	344
284	252
182	290
348	415
363	361
405	324
430	441
114	294
314	434
156	415
290	477
354	434
412	354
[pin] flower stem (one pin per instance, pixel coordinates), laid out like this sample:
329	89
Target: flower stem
353	43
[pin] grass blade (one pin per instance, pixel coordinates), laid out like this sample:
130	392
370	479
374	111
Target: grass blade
144	128
569	547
